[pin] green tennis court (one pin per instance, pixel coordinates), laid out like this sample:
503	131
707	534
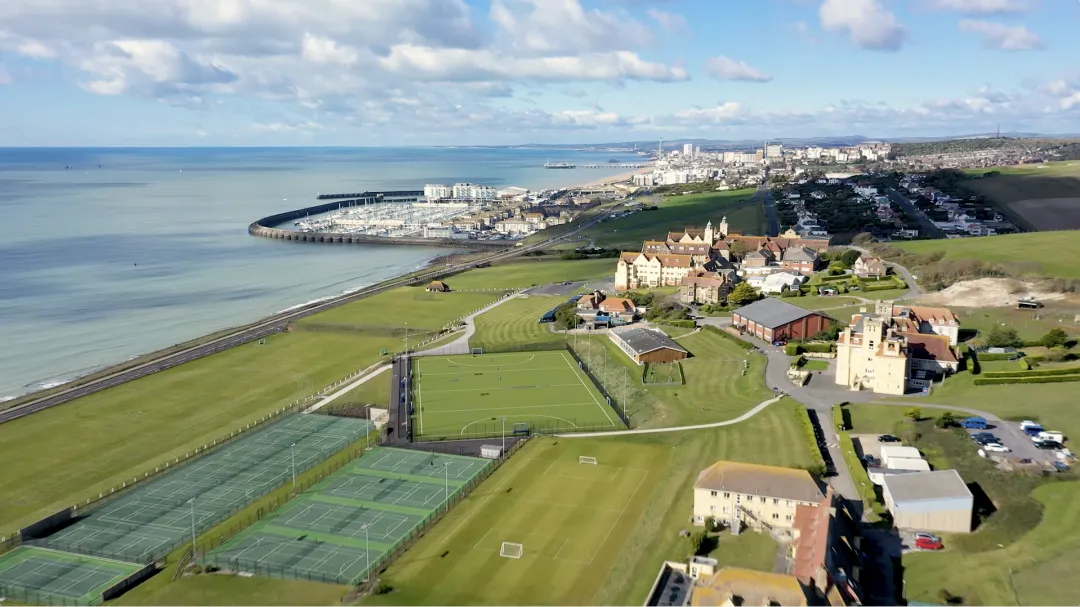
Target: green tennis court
363	510
470	396
153	518
48	577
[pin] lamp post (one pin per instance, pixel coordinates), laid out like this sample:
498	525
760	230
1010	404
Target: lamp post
192	503
406	339
367	435
367	554
446	483
503	452
292	459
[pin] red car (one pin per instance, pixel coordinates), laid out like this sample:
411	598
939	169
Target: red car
925	543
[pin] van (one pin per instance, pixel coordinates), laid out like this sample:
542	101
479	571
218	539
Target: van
974	423
1057	437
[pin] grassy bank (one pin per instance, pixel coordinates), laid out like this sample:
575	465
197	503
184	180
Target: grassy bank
1028	251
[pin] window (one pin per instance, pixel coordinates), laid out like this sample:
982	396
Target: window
727	495
787	518
776	517
712	508
775	502
725	509
762	500
789	502
712	493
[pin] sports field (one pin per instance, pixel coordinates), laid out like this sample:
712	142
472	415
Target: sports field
469	396
152	519
339	529
32	575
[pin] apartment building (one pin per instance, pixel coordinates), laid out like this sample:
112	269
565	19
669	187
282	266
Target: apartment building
762	497
638	270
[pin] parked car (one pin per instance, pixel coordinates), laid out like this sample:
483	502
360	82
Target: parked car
779	342
996	448
869	461
929	536
974	423
1047	444
924	543
1057	437
887	438
1061	466
985	440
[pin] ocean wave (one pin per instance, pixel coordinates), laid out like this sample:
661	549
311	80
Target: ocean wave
318	300
4	399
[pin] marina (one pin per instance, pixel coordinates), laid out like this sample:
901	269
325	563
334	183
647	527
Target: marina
593	165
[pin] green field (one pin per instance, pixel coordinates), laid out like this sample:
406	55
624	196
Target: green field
72	452
886	419
423	310
678	212
1044	196
233	590
1050	253
1030	324
534	271
619	520
470	396
516	323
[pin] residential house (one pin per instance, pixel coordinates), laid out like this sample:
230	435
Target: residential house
800	259
705	288
867	266
618	307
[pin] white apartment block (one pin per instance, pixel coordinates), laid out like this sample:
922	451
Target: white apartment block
438	191
475	191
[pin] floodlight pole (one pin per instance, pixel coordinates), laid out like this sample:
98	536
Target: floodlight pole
503	454
406	339
446	485
292	458
367	435
192	502
367	557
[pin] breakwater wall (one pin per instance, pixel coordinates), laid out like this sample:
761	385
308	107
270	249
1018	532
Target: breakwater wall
267	228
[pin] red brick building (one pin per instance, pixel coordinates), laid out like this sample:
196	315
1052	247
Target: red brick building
774	320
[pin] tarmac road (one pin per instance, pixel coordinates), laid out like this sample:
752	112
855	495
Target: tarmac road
251	333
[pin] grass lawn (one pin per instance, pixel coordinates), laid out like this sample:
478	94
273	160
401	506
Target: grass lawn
533	271
234	590
676	213
886	419
715	388
375	391
663	373
414	305
845	313
1017	553
516	323
674	332
1030	324
818	302
748	550
467	396
619	520
815	365
883	294
1028	248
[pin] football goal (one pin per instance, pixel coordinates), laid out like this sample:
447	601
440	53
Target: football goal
477	350
585	459
511	551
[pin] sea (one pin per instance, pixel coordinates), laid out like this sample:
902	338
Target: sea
109	253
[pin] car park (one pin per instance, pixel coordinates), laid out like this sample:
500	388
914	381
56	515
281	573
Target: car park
887	438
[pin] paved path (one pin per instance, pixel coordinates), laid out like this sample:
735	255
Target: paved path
461	344
745	416
329	398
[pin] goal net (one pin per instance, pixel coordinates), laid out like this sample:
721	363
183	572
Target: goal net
511	551
477	350
585	459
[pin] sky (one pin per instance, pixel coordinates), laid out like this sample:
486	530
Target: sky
506	72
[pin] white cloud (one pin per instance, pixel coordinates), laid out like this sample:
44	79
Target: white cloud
286	127
669	22
324	50
726	68
1003	37
981	7
35	50
723	112
565	27
867	22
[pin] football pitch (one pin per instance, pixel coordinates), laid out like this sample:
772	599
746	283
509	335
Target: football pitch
470	396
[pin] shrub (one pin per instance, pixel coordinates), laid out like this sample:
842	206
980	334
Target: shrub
791	349
711	525
697	540
817	468
1055	337
818	348
1024	364
1004	337
685	324
946	420
722	333
913	413
993	381
1032	373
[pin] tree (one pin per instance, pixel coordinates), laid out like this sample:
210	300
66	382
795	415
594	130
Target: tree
946	420
739	248
1004	337
849	257
913	413
711	526
837	268
697	539
742	294
1055	337
566	316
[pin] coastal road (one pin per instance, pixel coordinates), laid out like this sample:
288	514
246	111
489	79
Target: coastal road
924	222
250	333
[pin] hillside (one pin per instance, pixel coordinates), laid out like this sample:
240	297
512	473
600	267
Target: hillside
1049	254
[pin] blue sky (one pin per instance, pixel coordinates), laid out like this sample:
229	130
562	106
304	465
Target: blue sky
420	72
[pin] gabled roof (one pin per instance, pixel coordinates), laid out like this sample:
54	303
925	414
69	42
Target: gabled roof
773	313
616	304
800	253
642	340
926	346
756	479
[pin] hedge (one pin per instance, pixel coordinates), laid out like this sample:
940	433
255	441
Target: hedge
892	285
835	278
818	467
993	381
683	324
792	293
1033	373
825	348
791	349
989	357
722	333
1024	365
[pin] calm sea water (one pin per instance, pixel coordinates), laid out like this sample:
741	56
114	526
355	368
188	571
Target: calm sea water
131	250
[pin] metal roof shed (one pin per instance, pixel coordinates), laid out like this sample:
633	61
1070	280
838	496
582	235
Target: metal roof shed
898	451
929	501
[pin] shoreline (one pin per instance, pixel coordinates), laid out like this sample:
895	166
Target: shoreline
612	179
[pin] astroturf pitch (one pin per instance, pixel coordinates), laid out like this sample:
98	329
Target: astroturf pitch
469	396
38	575
153	518
338	529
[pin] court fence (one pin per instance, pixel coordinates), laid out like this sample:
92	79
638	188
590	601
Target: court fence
32	596
611	400
287	572
493	429
508	348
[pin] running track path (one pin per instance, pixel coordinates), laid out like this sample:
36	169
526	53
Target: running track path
326	400
745	416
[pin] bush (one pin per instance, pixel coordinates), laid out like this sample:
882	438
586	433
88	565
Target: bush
994	381
684	324
697	540
574	256
792	349
913	413
946	420
1004	337
791	293
1032	373
566	316
722	333
849	257
711	525
1024	364
1055	337
987	357
818	348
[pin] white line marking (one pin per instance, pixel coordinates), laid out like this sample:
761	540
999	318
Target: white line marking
511	408
615	523
506	388
602	408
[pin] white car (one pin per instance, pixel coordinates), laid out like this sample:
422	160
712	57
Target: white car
996	448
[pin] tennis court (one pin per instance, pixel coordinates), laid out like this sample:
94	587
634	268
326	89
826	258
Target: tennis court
363	510
153	518
41	576
470	396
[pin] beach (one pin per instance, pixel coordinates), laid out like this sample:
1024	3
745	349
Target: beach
613	179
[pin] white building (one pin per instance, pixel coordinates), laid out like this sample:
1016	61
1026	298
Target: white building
474	191
775	283
688	150
438	191
774	151
674	177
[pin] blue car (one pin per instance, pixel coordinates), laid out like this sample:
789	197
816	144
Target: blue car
1061	466
974	423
